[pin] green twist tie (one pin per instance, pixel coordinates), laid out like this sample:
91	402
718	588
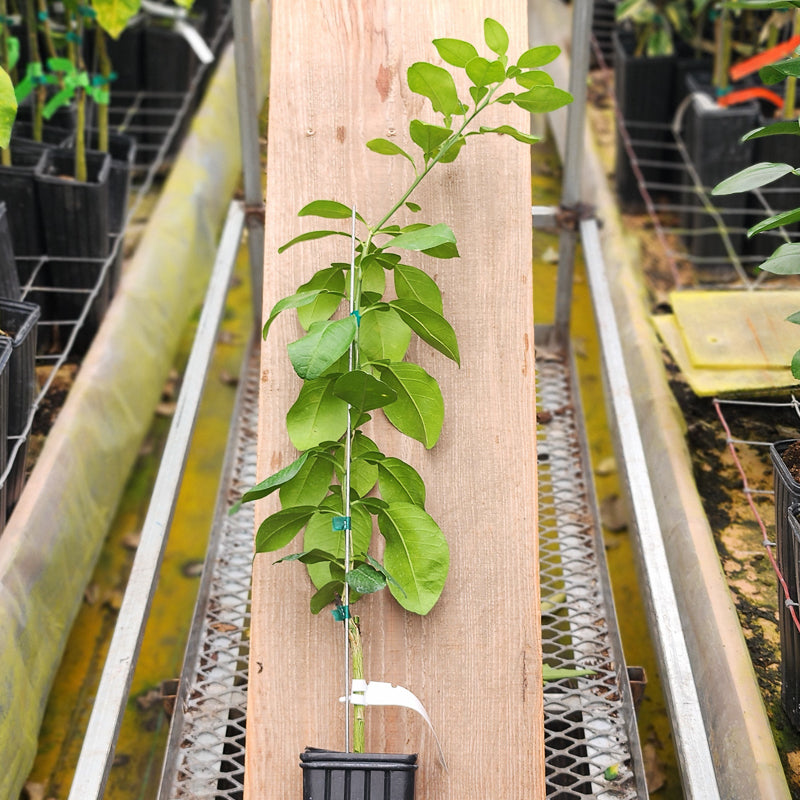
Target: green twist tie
340	523
42	16
71	36
4	20
341	613
357	314
87	11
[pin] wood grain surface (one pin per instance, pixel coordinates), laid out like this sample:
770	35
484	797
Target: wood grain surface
338	80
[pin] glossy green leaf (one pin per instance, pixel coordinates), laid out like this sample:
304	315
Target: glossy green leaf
322	346
426	239
478	93
542	99
400	482
752	177
448	155
437	85
429	325
278	529
331	284
414	207
8	108
296	300
317	415
320	535
495	35
310	557
426	136
483	72
786	126
365	579
373	277
274	481
363	391
363	470
784	261
383	336
536	77
113	15
310	236
794	318
416	556
796	365
328	209
455	51
776	221
418	411
310	485
325	596
507	130
415	284
538	56
386	148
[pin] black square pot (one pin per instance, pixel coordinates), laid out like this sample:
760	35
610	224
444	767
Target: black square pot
712	136
331	775
787	538
18	191
644	88
18	320
74	213
9	278
5	358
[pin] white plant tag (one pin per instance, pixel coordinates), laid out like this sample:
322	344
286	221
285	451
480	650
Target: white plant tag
189	32
380	693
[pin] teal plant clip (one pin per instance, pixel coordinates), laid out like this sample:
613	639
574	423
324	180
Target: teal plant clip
341	613
357	314
341	523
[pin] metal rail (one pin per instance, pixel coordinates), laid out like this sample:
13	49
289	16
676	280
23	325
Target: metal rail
97	753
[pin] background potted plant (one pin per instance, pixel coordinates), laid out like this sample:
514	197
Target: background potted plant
353	362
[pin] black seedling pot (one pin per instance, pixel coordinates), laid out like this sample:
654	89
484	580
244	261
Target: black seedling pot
331	775
5	358
18	191
9	278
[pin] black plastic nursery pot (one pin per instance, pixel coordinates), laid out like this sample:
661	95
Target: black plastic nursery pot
18	322
331	775
712	136
9	278
18	191
74	213
5	358
787	537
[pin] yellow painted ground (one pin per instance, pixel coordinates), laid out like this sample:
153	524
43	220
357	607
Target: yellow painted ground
143	735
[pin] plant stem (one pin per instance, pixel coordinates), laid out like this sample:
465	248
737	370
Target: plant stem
39	91
791	80
723	29
357	663
104	67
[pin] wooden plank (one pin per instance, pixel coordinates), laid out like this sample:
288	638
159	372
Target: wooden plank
475	661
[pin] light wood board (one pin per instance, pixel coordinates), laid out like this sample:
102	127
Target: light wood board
338	80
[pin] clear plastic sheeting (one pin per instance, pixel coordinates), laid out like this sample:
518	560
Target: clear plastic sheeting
51	542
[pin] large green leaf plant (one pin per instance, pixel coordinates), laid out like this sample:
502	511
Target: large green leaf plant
353	357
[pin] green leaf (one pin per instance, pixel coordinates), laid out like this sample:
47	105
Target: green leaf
455	51
331	285
429	325
788	126
794	318
273	482
483	72
280	528
415	284
320	535
525	138
478	93
386	148
373	277
365	579
324	344
363	470
553	674
400	482
776	221
447	156
414	207
538	56
418	411
425	239
310	557
310	485
317	415
427	137
383	336
310	236
752	177
536	77
784	261
775	73
543	99
329	209
325	596
8	108
495	35
296	300
113	15
437	85
796	365
363	391
416	555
